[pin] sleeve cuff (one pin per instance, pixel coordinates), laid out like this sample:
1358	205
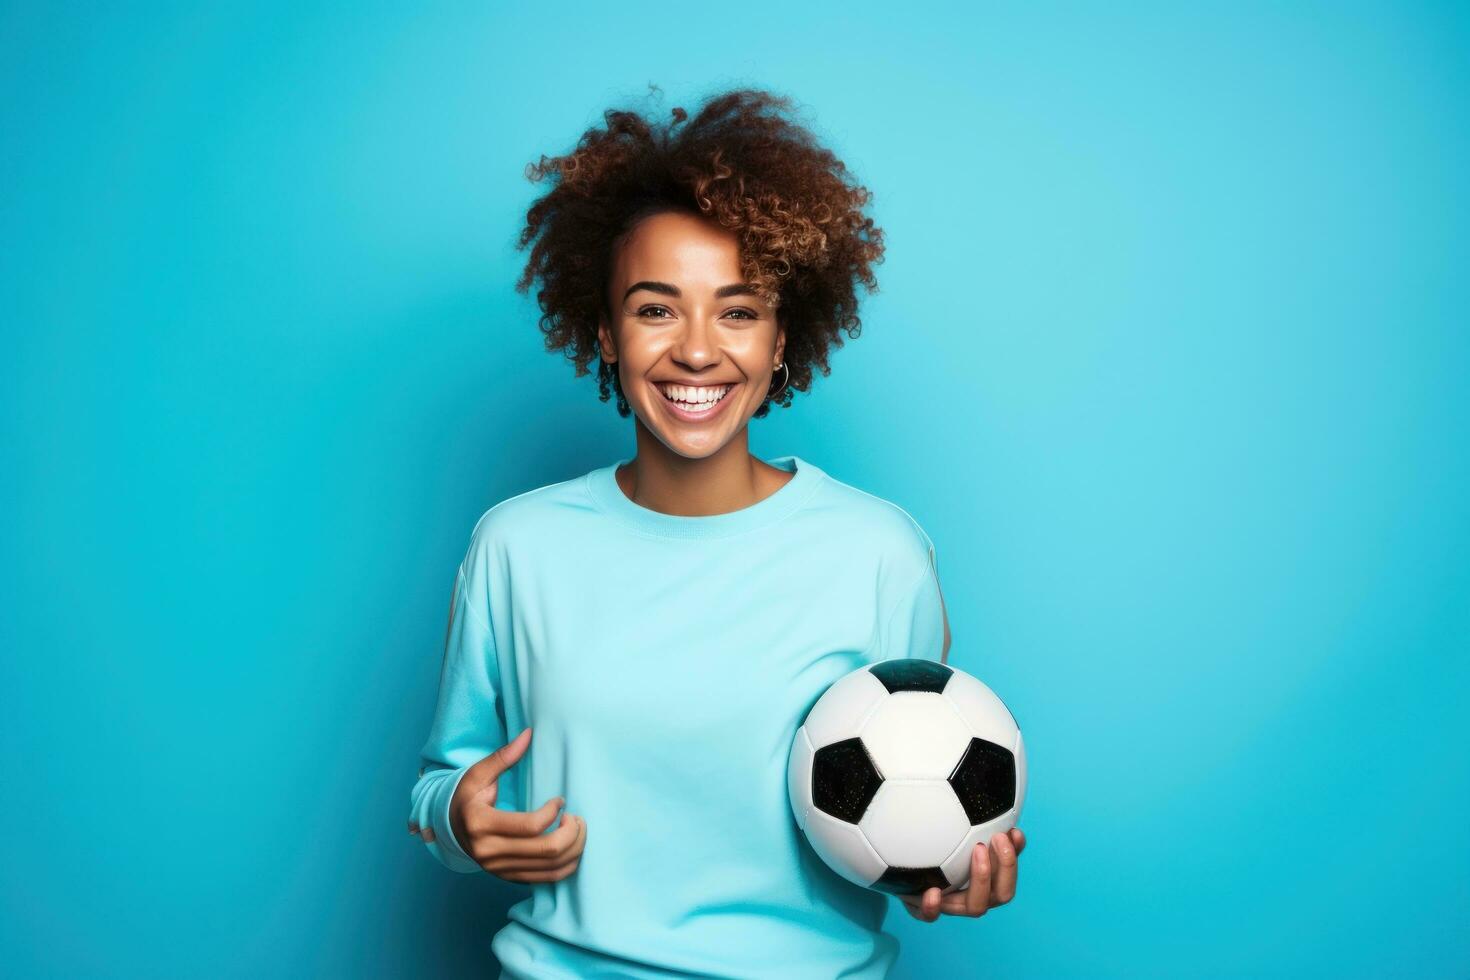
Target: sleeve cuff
451	854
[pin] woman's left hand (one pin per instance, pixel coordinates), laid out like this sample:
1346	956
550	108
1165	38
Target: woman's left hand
992	882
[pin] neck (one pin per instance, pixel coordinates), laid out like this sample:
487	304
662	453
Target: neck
728	479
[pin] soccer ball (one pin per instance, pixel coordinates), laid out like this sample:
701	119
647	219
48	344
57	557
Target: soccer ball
900	769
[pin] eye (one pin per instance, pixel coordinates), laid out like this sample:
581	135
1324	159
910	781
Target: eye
648	311
745	314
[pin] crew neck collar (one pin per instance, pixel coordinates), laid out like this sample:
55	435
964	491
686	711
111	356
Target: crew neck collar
602	485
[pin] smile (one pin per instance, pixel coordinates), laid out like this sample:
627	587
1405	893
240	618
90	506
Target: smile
694	404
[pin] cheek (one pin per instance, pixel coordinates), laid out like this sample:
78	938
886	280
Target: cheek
635	355
758	354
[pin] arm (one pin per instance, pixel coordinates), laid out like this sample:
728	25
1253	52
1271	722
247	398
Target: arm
943	657
468	721
915	623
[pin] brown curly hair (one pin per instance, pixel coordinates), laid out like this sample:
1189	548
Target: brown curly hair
805	243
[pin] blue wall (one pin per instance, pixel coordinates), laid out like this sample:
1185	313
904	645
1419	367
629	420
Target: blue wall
1169	358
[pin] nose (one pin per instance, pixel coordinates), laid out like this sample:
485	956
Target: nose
696	347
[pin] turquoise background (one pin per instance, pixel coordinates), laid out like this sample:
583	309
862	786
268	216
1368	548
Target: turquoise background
1169	359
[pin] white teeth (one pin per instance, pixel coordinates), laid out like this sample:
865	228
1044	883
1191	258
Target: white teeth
694	398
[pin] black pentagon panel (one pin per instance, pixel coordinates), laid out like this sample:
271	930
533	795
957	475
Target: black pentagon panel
844	780
985	781
912	674
910	881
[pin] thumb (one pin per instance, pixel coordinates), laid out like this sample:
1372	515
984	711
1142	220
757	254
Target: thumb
487	771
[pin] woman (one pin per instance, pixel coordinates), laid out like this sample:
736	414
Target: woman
666	621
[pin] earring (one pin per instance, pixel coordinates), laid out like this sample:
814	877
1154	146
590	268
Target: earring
783	381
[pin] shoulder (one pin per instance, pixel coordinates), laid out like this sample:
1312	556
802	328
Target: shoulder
530	515
882	523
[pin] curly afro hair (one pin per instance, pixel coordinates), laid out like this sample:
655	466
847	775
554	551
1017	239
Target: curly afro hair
805	243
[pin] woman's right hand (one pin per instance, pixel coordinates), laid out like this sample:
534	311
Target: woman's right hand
511	844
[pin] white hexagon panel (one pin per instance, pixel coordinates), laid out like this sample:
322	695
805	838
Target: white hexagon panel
914	823
916	735
844	848
844	708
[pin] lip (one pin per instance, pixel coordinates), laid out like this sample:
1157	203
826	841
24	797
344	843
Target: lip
704	416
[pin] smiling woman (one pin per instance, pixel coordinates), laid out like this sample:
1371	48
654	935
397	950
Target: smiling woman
666	621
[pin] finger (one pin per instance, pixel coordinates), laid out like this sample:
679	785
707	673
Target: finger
977	896
547	849
538	860
919	906
956	903
530	865
486	821
1003	887
551	874
515	823
580	843
485	773
1018	838
499	852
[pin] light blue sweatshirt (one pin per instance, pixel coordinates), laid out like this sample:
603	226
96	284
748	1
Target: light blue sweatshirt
665	663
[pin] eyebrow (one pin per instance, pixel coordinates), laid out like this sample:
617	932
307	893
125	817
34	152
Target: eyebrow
734	289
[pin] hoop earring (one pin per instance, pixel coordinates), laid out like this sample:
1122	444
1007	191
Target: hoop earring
783	382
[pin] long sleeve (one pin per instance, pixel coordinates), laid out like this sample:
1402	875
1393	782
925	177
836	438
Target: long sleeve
468	723
915	624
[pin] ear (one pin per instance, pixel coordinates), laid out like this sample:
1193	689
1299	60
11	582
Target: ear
605	339
780	341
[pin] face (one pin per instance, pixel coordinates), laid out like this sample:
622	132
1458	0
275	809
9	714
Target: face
684	323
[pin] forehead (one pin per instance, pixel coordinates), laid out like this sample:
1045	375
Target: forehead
677	246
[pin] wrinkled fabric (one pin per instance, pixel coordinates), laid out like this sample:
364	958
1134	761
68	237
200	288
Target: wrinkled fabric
664	664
